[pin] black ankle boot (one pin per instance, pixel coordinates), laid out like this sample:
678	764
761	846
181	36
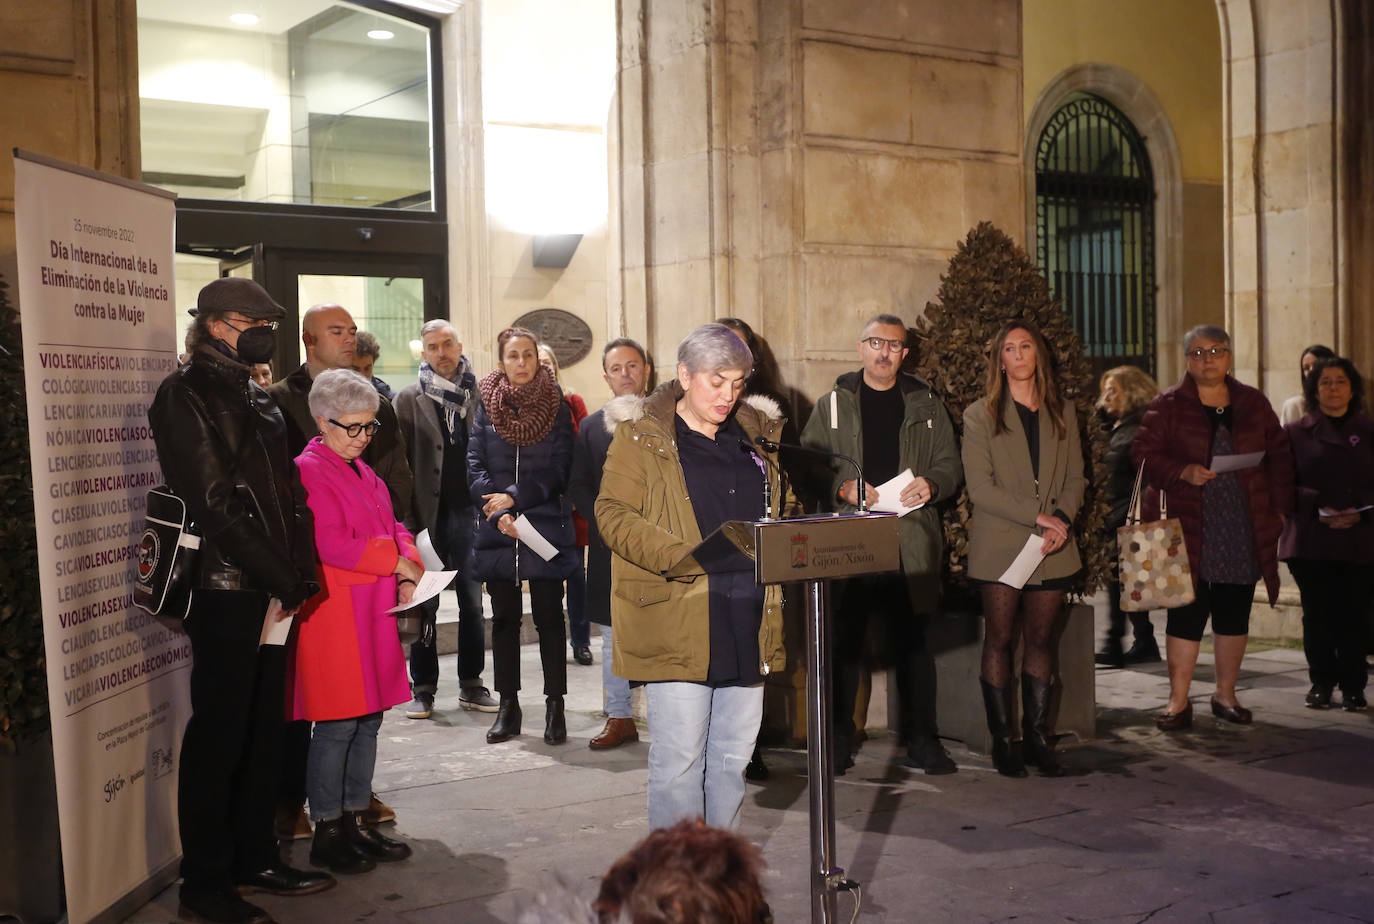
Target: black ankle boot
997	704
507	724
332	850
372	843
1144	650
555	726
1111	654
1035	720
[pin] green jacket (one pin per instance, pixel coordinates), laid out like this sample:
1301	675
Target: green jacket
928	448
662	627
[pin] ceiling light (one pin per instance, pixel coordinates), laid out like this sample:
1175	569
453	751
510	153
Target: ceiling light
244	19
381	35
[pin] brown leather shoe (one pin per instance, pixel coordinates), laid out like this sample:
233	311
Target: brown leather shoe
291	823
377	812
1175	721
616	733
1237	713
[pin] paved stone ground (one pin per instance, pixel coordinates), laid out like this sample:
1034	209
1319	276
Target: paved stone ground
1267	823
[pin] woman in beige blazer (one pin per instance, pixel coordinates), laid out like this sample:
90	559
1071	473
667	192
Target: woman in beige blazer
1024	469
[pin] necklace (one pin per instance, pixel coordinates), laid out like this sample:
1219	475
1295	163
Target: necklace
1220	410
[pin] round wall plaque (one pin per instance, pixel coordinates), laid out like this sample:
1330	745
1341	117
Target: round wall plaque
565	332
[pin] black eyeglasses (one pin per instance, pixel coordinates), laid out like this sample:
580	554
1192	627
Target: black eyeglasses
356	430
877	343
271	325
1214	351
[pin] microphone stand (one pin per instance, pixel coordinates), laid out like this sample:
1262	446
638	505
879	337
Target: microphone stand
859	490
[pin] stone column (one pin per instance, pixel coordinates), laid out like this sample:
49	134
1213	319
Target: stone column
806	163
1284	259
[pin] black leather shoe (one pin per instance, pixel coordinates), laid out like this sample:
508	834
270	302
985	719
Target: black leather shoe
372	843
332	849
998	708
507	724
582	655
1353	702
284	880
1110	655
1237	713
219	907
1143	651
756	770
1319	697
926	753
555	725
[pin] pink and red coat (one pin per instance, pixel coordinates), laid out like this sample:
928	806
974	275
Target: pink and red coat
345	659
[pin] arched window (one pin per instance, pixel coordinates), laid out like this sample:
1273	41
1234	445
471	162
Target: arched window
1094	207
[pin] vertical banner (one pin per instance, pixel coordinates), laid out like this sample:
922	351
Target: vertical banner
95	301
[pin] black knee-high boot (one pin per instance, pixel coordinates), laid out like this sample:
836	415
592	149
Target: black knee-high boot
997	703
1035	720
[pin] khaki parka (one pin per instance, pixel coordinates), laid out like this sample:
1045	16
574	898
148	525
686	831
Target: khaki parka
928	447
662	627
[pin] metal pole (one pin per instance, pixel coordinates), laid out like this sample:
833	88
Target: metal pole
820	763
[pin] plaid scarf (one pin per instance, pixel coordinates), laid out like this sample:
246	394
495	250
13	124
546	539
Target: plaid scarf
452	397
521	416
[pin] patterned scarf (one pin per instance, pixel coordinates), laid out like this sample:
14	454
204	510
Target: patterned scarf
522	416
452	397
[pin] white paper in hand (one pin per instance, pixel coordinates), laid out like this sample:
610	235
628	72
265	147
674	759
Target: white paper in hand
429	586
530	536
1235	462
1025	564
890	495
275	627
428	557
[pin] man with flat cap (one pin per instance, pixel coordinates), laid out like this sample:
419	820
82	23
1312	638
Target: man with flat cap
222	444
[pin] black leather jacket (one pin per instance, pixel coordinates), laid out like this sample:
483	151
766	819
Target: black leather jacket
245	497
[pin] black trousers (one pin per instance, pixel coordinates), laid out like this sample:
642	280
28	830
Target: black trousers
1335	606
230	754
886	597
546	600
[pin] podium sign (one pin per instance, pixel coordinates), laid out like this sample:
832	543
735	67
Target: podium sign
821	548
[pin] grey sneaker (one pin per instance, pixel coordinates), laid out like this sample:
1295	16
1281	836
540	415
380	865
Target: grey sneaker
421	706
477	698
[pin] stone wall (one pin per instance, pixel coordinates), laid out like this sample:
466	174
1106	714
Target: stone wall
803	164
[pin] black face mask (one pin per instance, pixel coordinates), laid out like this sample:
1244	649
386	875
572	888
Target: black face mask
256	345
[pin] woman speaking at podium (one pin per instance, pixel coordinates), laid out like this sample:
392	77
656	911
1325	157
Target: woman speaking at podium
682	462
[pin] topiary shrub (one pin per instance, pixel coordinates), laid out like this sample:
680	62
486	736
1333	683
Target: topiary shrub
23	666
990	281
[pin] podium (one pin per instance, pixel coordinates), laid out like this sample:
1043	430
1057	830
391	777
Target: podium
812	551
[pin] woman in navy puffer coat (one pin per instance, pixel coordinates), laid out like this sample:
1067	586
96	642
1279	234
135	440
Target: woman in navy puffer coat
519	457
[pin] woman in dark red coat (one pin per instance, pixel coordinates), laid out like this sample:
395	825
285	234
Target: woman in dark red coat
1328	542
1231	521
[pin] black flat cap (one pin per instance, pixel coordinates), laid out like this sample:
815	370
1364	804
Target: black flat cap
233	293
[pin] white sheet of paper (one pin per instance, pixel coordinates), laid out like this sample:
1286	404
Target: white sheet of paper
275	627
429	585
890	494
1235	462
1025	564
1331	512
530	536
428	557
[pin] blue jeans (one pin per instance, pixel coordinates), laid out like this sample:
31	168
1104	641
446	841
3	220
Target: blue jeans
338	777
452	538
617	688
701	739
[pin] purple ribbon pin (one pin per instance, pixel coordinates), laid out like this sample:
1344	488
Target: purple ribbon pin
1354	440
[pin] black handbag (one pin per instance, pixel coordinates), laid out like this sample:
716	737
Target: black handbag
167	554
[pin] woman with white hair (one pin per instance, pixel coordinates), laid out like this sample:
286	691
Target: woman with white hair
346	666
681	463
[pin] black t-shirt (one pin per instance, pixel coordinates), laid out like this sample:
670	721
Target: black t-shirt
881	413
1030	422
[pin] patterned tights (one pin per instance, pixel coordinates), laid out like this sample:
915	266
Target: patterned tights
1008	613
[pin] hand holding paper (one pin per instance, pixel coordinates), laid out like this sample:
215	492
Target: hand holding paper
890	495
428	587
1020	570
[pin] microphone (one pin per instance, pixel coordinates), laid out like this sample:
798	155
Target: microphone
771	446
748	447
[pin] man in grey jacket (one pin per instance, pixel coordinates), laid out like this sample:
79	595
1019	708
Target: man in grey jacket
890	422
436	417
